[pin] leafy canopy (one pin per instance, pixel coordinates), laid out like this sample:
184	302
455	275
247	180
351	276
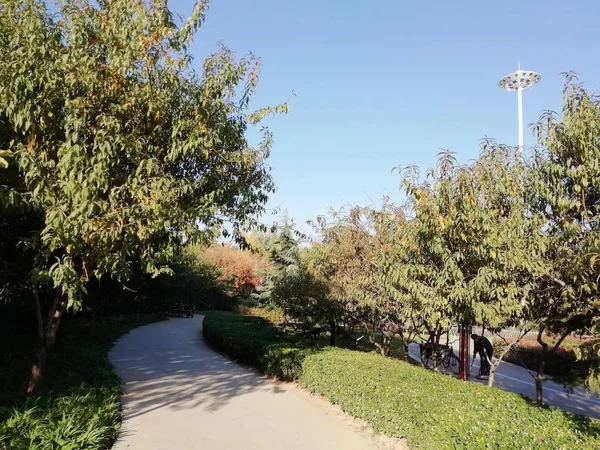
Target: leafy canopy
123	147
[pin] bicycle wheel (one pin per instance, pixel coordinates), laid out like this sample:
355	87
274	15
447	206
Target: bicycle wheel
454	363
446	360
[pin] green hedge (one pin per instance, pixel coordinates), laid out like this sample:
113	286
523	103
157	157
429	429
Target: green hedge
433	411
252	341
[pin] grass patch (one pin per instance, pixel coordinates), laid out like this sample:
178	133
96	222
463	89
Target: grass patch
431	410
78	405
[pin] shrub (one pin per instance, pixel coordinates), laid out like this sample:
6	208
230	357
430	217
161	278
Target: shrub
271	314
78	407
252	341
561	365
433	411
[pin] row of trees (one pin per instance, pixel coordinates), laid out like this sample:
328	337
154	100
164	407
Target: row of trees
115	152
505	241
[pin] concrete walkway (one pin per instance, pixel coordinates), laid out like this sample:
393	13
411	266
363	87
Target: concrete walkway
181	395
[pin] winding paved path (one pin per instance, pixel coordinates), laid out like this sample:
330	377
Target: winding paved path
181	395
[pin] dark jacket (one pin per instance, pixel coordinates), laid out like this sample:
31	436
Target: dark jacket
483	346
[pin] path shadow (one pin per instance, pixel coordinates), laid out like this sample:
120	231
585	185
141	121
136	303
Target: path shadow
168	365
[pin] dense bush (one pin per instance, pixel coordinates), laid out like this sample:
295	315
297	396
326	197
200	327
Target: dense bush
78	407
271	314
194	281
562	365
431	410
252	341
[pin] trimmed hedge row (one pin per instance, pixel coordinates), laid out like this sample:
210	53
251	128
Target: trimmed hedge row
433	411
253	341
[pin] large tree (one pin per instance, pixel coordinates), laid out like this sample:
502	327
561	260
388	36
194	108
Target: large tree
467	252
566	182
121	146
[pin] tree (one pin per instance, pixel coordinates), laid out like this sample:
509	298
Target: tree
120	145
468	250
304	297
341	260
566	183
282	250
240	270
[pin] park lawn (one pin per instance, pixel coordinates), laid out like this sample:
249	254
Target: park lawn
429	409
78	405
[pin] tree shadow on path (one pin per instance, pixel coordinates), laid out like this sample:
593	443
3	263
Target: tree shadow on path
168	365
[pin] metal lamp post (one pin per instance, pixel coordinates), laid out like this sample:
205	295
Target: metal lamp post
519	81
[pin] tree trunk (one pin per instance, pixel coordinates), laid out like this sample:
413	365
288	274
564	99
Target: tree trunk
539	378
539	394
332	337
436	346
494	365
545	354
39	362
387	345
46	337
383	348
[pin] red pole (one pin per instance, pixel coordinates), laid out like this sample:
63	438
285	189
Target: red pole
464	357
461	358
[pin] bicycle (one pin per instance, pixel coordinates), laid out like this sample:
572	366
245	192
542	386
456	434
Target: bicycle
443	354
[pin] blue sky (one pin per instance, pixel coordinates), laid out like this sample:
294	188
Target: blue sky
385	83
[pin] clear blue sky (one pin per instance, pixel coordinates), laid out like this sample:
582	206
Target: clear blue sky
384	83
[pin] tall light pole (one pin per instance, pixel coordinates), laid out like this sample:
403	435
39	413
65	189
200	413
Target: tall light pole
519	81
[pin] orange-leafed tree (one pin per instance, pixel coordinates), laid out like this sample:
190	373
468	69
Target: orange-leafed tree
241	270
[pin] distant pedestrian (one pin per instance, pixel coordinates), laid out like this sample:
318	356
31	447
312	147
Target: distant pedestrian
484	348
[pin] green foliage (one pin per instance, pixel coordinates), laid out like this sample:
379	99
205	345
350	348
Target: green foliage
590	353
194	281
566	184
119	145
345	261
283	249
282	252
123	148
563	366
271	314
470	251
3	155
85	419
78	406
250	340
434	411
431	410
302	296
